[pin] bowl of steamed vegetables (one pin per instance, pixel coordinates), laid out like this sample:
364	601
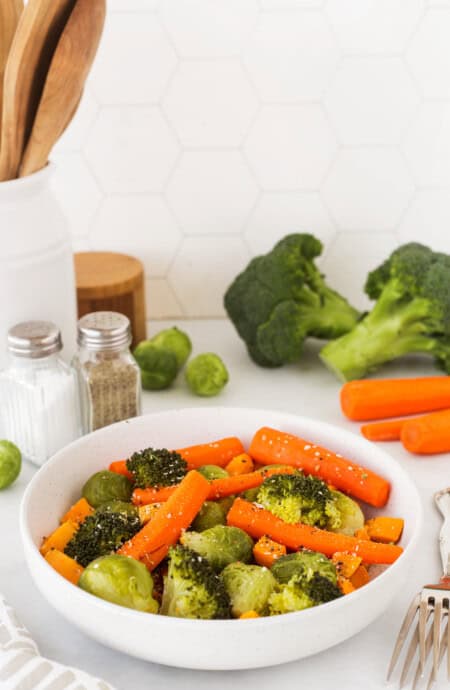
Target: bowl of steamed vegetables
220	538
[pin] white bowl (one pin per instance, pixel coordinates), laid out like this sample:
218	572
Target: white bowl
212	645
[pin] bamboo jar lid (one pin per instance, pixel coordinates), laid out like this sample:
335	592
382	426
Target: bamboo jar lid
107	281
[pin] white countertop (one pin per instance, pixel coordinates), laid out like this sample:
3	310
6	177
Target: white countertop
307	389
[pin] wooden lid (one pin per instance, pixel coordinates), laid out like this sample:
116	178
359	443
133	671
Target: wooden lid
106	274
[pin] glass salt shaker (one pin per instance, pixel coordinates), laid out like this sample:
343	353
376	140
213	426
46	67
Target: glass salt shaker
108	376
39	408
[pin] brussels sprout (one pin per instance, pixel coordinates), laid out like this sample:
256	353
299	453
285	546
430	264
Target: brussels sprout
226	503
122	507
211	472
303	564
220	545
176	341
158	366
10	463
209	515
251	494
206	374
248	586
120	580
351	515
105	486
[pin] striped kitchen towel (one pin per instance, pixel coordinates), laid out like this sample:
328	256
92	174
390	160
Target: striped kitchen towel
23	668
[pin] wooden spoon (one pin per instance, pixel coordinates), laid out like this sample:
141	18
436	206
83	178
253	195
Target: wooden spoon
10	11
37	35
67	74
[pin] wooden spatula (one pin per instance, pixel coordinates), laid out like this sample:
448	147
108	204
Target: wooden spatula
37	35
10	11
67	74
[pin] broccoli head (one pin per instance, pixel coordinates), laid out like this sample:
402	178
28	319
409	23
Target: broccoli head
102	533
281	298
411	315
305	579
156	467
192	589
299	498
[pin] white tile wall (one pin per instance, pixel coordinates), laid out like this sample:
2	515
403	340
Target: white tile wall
211	128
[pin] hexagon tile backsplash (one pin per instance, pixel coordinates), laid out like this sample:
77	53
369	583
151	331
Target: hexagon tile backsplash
211	128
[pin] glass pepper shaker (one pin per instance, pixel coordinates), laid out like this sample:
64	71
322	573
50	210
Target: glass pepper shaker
39	409
109	378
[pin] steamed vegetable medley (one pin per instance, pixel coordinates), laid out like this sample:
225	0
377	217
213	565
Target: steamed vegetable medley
211	531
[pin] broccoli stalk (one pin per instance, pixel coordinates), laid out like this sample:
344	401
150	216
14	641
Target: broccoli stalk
411	315
281	298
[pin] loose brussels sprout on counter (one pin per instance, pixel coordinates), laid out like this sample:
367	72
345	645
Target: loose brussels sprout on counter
192	589
120	580
209	515
206	374
249	587
211	472
10	463
106	486
175	341
220	545
158	365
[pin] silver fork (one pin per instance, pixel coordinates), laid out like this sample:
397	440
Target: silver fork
431	604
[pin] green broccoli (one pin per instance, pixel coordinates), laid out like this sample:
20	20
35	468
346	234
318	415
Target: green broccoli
102	533
303	563
281	298
412	314
220	545
248	586
192	589
156	467
299	498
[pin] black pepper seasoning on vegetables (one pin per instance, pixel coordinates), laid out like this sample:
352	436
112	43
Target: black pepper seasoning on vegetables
108	375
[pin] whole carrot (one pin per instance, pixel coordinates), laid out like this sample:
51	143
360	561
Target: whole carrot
383	431
382	398
277	447
153	541
428	434
257	522
218	452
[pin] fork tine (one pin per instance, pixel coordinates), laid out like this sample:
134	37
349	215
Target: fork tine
437	624
447	646
423	616
412	648
442	650
419	672
403	632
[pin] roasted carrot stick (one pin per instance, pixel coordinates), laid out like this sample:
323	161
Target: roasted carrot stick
385	529
59	538
218	488
382	398
120	467
257	521
153	541
78	512
276	447
383	431
266	551
427	434
64	565
215	453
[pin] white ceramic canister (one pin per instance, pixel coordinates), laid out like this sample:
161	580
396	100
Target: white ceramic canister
37	278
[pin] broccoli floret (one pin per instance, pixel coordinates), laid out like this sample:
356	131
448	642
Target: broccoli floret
220	545
304	564
102	533
305	579
192	589
411	315
296	498
281	298
156	467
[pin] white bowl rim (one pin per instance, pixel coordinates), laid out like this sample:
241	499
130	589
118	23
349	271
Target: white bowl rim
102	604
